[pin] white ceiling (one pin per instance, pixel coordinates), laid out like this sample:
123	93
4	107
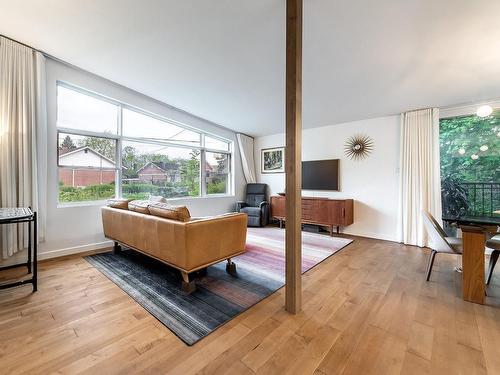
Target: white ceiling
224	60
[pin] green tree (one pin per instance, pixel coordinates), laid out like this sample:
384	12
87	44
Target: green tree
104	146
461	139
67	144
190	173
130	162
470	153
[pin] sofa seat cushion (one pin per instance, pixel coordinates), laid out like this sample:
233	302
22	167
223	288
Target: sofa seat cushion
251	211
121	203
180	213
140	206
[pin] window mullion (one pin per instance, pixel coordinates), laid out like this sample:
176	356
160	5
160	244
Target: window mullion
85	133
118	183
203	175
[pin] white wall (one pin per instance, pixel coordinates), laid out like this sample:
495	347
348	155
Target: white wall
79	228
372	182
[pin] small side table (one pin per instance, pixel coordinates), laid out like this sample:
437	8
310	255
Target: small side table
16	216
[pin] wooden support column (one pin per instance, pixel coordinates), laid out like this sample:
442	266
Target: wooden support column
473	283
293	157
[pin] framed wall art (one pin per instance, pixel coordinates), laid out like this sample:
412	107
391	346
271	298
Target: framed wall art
273	160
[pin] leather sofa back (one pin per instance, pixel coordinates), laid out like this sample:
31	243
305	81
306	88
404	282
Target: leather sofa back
185	245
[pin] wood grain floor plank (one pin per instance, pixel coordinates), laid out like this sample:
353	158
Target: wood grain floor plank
365	310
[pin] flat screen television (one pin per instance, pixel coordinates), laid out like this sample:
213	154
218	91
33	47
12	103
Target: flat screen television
320	175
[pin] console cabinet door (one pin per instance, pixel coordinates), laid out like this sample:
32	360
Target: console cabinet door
335	212
309	209
321	211
278	206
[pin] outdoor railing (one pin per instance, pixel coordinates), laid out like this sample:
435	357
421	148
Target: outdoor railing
483	198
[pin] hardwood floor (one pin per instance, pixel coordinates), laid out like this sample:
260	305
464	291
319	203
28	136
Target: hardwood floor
366	310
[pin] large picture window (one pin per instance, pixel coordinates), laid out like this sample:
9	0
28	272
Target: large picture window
108	149
470	167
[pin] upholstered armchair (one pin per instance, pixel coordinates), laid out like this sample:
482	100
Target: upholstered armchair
255	205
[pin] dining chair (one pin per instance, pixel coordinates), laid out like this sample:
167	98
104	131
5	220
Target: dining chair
494	244
440	242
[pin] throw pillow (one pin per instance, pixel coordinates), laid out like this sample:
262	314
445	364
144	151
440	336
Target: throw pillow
180	213
157	199
140	206
120	203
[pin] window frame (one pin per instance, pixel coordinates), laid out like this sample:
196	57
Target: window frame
120	138
229	180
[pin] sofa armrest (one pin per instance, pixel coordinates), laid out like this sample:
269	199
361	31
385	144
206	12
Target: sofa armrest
264	209
218	238
240	205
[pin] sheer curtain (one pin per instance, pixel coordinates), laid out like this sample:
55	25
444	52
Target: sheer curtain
245	144
22	112
420	183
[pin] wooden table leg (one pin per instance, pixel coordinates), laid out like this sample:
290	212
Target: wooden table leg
473	288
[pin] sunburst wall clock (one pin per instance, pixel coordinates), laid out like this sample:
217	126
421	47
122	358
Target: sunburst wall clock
358	147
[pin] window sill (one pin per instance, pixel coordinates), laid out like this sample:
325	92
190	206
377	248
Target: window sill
81	204
104	202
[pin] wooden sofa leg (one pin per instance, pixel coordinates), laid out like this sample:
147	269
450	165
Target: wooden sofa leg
187	285
116	248
231	267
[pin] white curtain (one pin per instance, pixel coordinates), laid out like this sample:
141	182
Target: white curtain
245	144
22	112
420	183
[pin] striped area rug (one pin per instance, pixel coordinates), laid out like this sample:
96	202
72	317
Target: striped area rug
219	297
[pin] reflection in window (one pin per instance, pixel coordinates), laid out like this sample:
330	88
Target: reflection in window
85	112
138	125
216	144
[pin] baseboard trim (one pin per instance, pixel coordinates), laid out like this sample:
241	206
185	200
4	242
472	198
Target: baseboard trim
376	236
74	250
101	245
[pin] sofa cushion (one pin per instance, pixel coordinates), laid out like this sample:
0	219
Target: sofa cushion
121	203
140	206
251	211
180	213
157	199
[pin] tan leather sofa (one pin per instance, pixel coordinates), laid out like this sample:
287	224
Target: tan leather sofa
188	246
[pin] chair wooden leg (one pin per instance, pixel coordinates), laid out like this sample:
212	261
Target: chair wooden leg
493	260
231	267
188	286
430	264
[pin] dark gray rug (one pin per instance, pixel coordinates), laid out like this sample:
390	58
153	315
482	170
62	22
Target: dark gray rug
219	297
